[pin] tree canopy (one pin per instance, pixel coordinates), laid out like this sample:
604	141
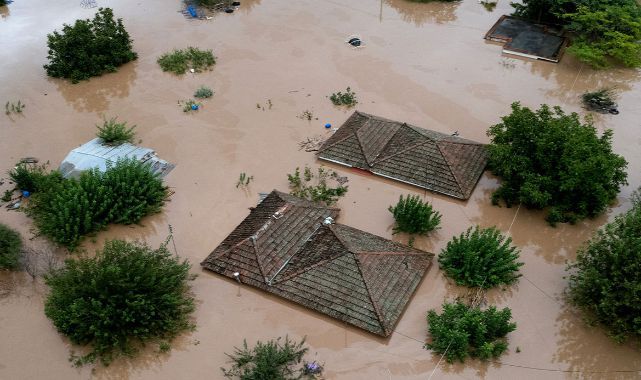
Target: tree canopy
127	294
89	48
604	31
547	158
463	331
606	278
481	258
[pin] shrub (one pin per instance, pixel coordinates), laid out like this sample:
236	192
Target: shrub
606	278
462	331
344	99
113	133
89	48
127	294
318	190
481	258
414	216
10	246
179	61
33	177
124	193
549	159
203	92
275	360
603	31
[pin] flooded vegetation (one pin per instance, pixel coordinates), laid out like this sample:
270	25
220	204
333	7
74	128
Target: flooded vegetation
425	64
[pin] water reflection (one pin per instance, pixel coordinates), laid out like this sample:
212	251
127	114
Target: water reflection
94	95
420	13
582	347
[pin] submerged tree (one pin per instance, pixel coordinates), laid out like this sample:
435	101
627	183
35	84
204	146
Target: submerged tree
275	359
414	216
606	278
547	158
463	331
10	246
89	48
316	187
127	294
481	258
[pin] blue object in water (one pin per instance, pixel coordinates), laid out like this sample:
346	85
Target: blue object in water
194	107
328	125
192	11
25	194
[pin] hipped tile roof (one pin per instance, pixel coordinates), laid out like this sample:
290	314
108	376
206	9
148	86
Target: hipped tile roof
431	160
284	247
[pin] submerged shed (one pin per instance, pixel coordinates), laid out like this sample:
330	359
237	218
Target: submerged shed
428	159
290	247
526	39
95	154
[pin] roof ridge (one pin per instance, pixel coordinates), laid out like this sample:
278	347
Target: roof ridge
387	145
401	151
449	167
379	315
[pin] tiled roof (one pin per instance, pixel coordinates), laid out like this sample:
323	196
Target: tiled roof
284	247
428	159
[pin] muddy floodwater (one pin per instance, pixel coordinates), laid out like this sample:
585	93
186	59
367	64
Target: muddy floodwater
425	64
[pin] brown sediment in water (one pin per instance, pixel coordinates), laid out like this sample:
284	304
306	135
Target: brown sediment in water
425	64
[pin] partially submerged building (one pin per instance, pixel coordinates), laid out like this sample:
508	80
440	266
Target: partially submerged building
428	159
95	154
526	39
290	247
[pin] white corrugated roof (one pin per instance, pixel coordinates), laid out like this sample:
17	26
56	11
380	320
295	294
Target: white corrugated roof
94	154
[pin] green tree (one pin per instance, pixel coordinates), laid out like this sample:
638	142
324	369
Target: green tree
414	216
315	187
127	294
273	360
125	193
550	159
605	281
113	133
10	246
481	258
462	331
89	48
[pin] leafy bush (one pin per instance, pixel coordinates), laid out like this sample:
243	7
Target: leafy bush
113	133
10	246
481	258
344	99
462	331
127	294
549	159
414	216
124	193
274	360
179	61
606	278
33	177
320	191
600	101
89	48
203	92
604	31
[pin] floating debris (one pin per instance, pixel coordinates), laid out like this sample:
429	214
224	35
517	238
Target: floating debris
355	41
601	101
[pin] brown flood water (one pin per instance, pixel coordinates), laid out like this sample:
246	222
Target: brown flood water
425	64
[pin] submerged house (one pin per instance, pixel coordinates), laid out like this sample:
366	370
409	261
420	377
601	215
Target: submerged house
95	154
428	159
526	39
291	247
